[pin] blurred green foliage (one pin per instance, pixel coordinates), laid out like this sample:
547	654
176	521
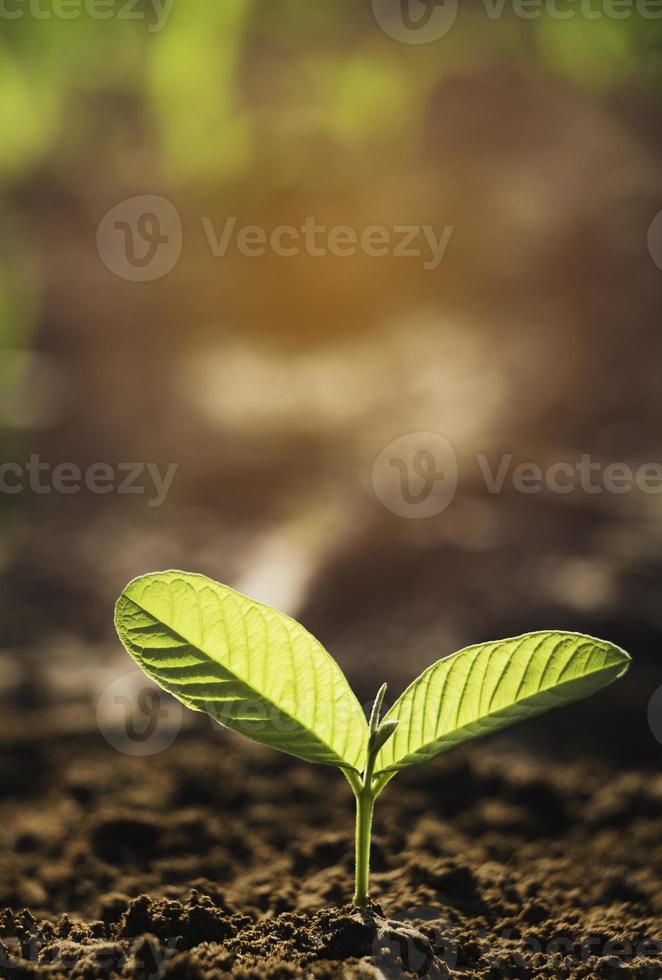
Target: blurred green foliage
217	76
597	54
192	78
239	89
19	301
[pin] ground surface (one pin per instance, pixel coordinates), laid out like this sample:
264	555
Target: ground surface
216	858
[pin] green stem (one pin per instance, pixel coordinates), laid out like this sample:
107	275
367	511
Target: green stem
366	791
365	802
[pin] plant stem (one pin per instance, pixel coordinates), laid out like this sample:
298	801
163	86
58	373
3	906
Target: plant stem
365	802
366	793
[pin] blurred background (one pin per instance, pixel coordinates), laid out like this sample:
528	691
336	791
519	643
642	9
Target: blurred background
274	382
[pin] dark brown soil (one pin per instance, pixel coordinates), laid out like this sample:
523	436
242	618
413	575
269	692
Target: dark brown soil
217	858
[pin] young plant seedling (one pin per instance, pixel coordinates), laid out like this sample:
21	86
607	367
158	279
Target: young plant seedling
260	673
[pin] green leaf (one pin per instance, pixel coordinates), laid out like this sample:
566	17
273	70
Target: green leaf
491	685
250	667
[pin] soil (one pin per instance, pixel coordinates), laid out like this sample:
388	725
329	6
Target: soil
217	858
539	340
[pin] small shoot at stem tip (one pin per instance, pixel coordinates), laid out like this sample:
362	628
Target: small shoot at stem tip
377	708
379	732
